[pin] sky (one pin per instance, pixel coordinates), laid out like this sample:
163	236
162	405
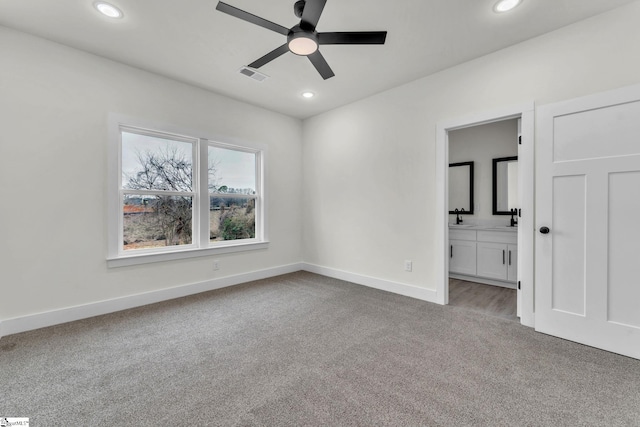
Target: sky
235	169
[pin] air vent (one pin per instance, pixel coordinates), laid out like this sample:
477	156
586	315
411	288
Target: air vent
255	75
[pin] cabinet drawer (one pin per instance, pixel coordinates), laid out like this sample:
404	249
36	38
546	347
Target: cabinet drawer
497	236
462	234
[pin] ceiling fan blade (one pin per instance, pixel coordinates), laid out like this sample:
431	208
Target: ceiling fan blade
270	56
246	16
362	37
321	65
311	13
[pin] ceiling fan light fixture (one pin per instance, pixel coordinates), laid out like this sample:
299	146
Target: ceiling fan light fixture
108	10
506	5
302	45
303	39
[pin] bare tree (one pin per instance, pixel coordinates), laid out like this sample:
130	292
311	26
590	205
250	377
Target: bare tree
168	169
169	217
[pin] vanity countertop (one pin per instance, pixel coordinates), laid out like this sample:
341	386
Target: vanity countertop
506	228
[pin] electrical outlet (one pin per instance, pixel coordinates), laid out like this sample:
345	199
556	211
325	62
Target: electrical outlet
408	265
216	265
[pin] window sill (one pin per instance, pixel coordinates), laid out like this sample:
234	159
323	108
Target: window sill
135	259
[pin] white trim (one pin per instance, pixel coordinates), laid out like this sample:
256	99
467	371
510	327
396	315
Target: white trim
158	193
221	248
203	192
114	178
70	314
486	117
55	317
595	101
526	242
116	119
526	224
201	246
373	282
262	202
149	131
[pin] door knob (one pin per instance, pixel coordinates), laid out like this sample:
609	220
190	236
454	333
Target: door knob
544	230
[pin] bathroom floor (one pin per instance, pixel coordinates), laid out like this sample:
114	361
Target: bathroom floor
487	299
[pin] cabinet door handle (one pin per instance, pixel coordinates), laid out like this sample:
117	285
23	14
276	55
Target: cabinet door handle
503	251
451	255
509	257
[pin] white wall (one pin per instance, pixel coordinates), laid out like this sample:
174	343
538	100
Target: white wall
369	168
54	103
482	144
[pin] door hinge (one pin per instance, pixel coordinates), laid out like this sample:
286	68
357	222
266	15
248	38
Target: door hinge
520	140
518	285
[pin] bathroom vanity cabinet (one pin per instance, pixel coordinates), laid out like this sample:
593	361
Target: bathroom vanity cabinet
484	255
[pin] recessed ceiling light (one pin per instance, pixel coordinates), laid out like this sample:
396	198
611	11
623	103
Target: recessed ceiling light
506	5
308	95
108	9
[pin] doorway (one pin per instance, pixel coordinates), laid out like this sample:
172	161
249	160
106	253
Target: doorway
522	253
483	217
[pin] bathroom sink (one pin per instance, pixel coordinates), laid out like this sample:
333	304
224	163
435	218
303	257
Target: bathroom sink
502	227
461	225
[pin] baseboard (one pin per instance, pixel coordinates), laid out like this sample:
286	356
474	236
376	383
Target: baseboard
373	282
70	314
56	317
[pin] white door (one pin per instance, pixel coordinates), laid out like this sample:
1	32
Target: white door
588	198
515	262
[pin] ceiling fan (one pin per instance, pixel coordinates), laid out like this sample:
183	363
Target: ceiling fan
303	39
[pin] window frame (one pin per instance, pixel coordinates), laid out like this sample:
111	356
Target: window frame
259	222
201	244
193	193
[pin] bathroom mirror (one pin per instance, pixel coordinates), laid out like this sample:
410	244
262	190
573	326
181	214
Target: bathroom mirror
461	188
505	185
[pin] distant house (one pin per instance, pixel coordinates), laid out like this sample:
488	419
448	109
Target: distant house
136	209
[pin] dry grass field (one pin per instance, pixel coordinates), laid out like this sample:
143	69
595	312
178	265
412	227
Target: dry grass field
147	230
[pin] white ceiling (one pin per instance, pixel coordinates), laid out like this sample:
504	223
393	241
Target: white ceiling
192	42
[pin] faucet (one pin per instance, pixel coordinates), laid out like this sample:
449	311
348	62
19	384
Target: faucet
458	212
514	222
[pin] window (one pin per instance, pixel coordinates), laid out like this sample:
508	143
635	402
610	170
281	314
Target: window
157	190
178	196
232	194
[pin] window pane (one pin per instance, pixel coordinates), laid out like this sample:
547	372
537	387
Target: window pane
231	171
155	163
157	221
232	218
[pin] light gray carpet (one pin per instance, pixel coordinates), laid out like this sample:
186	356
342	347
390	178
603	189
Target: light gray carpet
303	349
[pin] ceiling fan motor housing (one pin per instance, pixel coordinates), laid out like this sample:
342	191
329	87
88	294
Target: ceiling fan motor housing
298	7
